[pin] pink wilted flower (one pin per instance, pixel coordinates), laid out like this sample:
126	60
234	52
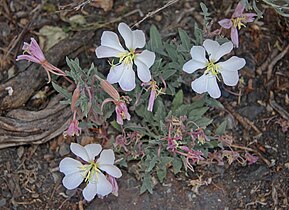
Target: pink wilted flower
155	91
36	55
73	128
237	20
120	105
251	159
114	184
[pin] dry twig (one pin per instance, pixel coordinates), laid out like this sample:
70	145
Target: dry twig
152	13
274	61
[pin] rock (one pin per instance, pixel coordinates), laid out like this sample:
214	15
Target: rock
64	149
251	112
2	202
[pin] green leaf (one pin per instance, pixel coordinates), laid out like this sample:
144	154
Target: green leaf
198	33
203	122
167	73
213	103
221	128
177	165
162	173
172	51
160	114
152	164
196	114
185	39
155	43
178	100
62	91
146	184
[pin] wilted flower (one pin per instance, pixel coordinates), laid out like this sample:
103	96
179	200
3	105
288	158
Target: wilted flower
250	158
114	185
91	171
36	55
122	72
73	129
155	91
237	20
228	69
121	112
120	105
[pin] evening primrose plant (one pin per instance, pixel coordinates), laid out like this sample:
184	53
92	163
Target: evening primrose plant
163	118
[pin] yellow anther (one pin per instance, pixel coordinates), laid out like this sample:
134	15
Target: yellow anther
237	22
213	68
126	57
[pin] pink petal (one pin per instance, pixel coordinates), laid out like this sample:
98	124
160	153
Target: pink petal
235	36
226	23
250	17
239	10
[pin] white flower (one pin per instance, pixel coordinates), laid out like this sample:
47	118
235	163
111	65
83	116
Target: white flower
228	69
122	72
91	172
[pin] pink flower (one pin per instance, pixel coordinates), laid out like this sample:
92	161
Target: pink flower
237	20
34	51
73	129
121	112
114	184
36	56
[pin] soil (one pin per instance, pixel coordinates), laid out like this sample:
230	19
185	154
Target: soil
257	109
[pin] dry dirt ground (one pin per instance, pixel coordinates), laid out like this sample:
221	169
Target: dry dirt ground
257	109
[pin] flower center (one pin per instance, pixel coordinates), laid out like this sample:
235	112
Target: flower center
90	170
237	22
213	68
127	57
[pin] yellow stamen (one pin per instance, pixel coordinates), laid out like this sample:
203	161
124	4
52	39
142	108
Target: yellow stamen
90	170
127	57
237	22
213	68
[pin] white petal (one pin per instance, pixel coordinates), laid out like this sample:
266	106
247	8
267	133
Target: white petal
213	87
109	39
229	70
115	73
139	39
199	85
93	150
207	83
72	181
192	65
79	151
111	170
104	187
126	34
233	64
106	52
223	50
69	166
146	57
133	39
143	62
89	192
106	157
211	47
127	80
198	53
230	78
